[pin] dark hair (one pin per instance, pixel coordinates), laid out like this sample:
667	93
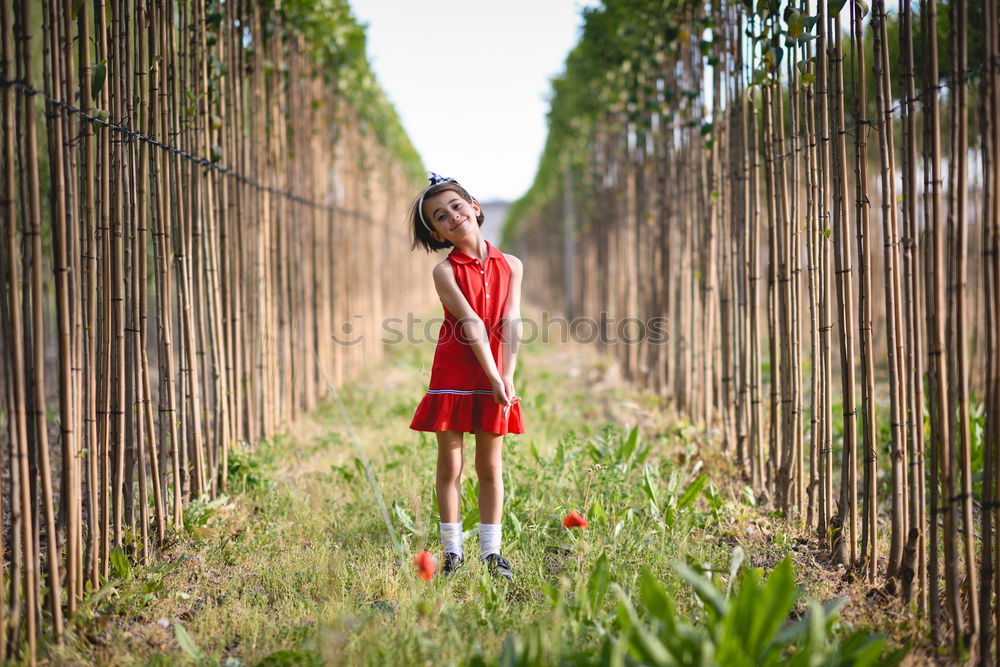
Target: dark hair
421	236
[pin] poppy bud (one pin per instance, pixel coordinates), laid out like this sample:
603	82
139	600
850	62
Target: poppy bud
425	564
574	520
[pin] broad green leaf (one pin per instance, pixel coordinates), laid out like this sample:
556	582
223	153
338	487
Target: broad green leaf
646	644
628	447
861	649
803	626
817	624
704	589
470	495
804	64
533	448
649	485
774	55
105	590
799	23
98	74
795	24
772	604
652	648
553	593
515	523
692	491
119	563
625	618
404	518
595	453
597	585
656	602
734	567
738	625
185	641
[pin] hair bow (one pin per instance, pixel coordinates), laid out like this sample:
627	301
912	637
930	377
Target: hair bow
438	178
434	180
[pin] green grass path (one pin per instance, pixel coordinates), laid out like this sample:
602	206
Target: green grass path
297	566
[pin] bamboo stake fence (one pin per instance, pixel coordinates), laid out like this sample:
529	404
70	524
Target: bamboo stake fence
193	207
770	177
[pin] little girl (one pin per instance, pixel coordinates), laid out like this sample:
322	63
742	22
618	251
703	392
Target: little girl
472	379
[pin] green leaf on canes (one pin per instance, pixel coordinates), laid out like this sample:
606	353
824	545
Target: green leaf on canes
99	74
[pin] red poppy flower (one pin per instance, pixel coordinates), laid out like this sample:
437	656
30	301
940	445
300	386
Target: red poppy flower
574	520
425	564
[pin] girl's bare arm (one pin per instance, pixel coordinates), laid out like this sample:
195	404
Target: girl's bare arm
472	325
512	328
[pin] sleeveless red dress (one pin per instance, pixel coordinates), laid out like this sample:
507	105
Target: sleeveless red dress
459	397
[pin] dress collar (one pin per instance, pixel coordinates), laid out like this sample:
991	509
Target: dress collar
461	257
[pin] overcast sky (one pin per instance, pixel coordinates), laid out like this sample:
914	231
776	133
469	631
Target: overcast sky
470	80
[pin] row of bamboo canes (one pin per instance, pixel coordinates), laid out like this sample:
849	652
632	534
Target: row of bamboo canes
790	222
190	212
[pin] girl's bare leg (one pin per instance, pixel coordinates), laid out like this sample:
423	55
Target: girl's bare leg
490	471
449	475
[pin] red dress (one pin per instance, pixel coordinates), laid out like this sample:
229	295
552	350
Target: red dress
459	397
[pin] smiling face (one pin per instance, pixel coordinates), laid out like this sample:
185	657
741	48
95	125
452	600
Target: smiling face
451	216
442	200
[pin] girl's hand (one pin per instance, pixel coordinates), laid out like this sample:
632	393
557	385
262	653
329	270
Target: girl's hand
500	391
508	384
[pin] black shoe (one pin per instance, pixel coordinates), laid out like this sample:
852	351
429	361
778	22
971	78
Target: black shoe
452	562
499	566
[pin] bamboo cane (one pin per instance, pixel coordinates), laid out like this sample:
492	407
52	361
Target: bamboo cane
60	264
845	551
39	436
958	276
895	350
21	525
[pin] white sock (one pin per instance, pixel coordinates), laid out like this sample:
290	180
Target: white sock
451	538
489	539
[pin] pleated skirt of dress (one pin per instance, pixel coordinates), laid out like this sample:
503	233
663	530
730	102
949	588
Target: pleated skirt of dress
466	412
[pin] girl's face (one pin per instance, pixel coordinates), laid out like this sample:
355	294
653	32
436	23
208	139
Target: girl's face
451	216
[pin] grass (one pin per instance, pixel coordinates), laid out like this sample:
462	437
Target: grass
299	567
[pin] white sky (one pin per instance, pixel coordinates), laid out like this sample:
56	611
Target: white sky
470	81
